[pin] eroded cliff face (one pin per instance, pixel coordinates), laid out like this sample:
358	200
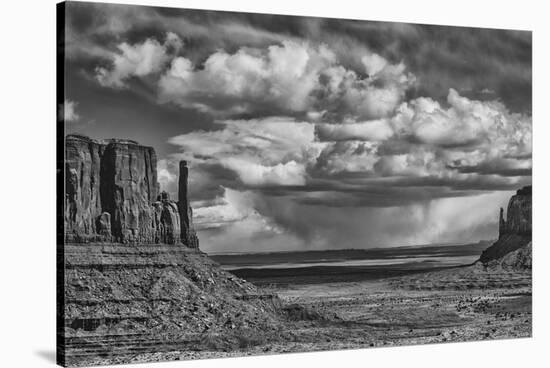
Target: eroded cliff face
516	231
128	291
128	183
82	186
518	216
112	195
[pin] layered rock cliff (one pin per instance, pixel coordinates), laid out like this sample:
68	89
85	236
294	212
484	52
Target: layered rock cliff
112	195
519	259
515	231
129	294
130	303
518	215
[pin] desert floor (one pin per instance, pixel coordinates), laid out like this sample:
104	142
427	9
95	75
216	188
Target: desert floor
453	305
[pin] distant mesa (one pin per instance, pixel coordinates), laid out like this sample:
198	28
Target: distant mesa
112	195
513	247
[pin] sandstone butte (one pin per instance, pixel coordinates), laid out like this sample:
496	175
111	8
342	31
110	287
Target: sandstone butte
112	195
513	247
133	281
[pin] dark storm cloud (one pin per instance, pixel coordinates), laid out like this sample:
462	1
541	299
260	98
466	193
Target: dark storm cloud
305	226
298	129
480	63
495	168
341	191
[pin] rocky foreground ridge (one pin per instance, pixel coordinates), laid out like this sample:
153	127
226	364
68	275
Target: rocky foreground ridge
136	303
513	247
136	286
112	195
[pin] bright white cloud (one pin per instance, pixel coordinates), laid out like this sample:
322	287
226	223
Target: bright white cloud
232	206
374	63
138	60
464	122
67	111
232	222
289	173
166	178
470	143
274	151
292	77
424	138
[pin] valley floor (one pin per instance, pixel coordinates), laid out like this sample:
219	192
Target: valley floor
452	305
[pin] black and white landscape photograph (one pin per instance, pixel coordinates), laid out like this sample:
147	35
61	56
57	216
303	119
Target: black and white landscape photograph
234	184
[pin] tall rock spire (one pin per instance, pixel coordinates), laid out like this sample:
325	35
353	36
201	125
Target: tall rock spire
501	223
183	203
188	235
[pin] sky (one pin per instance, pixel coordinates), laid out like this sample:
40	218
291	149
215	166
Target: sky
310	133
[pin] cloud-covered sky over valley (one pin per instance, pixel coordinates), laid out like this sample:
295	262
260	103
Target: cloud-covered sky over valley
309	133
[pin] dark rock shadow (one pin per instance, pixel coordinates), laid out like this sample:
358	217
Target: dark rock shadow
48	355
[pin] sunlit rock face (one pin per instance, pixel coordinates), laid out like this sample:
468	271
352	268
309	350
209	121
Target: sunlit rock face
112	195
518	219
516	231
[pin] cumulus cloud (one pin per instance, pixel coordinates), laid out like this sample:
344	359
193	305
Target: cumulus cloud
228	208
67	111
273	151
310	130
232	222
372	163
350	156
374	130
293	77
425	138
137	60
289	173
472	131
465	122
166	177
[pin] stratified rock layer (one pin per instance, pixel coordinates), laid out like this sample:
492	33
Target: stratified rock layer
167	220
82	187
112	195
519	259
124	300
518	216
127	290
516	231
129	184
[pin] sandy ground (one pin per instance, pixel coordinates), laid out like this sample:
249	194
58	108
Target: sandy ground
460	304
